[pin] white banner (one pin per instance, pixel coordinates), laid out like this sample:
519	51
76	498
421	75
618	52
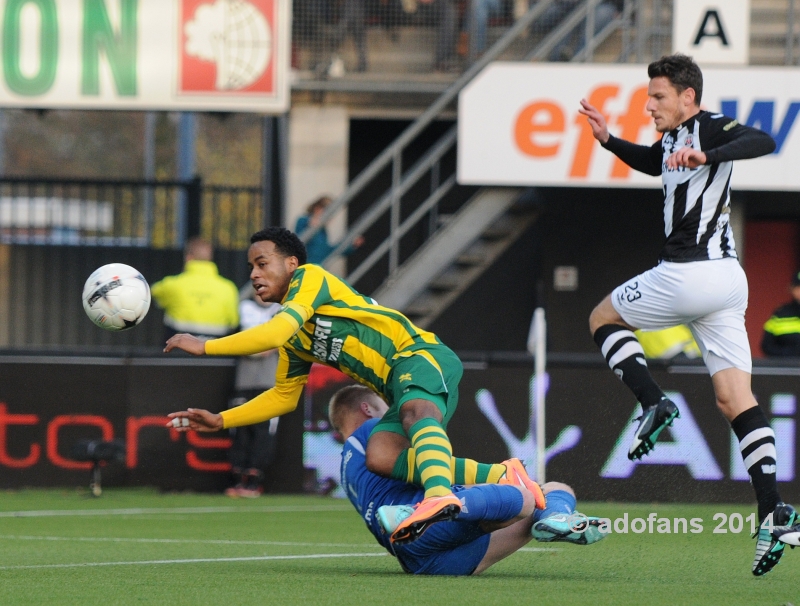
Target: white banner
712	32
518	124
205	55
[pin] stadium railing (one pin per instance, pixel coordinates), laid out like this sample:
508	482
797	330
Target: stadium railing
156	214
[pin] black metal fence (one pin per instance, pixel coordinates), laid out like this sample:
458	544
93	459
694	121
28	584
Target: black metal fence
54	233
155	214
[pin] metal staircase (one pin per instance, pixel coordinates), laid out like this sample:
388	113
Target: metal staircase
461	238
456	255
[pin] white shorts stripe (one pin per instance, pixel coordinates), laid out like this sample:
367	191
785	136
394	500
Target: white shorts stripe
613	339
756	434
762	452
626	351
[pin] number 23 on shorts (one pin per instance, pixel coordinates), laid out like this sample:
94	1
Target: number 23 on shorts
632	292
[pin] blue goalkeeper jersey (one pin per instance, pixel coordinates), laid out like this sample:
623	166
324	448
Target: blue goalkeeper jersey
368	491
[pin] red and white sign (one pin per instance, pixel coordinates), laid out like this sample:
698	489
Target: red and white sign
228	47
518	123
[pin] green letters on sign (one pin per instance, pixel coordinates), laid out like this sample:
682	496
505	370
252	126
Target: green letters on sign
120	49
41	82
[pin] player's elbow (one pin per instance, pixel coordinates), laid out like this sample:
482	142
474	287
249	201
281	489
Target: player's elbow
282	401
762	144
770	146
285	408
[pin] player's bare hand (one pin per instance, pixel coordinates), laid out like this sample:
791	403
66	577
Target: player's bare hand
687	157
596	120
187	343
196	419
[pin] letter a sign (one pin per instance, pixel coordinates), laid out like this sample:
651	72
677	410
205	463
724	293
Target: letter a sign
715	33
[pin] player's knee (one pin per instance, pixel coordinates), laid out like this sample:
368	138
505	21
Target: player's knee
599	317
604	313
732	407
551	486
723	404
417	409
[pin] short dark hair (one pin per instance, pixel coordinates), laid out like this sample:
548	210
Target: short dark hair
286	242
199	248
321	202
681	71
347	400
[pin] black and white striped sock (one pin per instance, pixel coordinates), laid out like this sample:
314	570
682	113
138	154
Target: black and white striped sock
757	445
625	356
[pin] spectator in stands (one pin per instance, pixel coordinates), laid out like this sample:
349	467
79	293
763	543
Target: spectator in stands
353	20
446	32
572	44
445	14
318	248
198	301
476	22
253	448
308	20
782	330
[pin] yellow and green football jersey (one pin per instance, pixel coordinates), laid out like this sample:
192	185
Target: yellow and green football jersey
324	320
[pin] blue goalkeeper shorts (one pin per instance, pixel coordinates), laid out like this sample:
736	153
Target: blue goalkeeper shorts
457	547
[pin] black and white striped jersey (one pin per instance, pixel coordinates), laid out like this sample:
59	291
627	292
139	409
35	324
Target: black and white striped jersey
697	201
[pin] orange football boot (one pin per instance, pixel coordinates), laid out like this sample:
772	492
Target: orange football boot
426	512
516	475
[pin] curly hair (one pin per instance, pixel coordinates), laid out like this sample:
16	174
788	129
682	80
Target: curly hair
286	242
681	71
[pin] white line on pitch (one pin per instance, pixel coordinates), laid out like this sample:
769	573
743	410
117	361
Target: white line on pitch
38	513
197	560
12	537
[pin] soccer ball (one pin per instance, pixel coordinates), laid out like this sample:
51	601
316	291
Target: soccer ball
116	297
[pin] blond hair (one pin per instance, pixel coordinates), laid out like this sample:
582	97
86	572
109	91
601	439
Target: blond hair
346	401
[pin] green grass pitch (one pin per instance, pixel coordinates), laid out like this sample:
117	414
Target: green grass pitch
142	547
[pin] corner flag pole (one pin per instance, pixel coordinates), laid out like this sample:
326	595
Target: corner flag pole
537	347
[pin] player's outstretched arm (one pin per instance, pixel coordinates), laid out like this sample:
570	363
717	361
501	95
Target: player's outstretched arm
646	159
596	120
196	419
187	343
734	141
263	337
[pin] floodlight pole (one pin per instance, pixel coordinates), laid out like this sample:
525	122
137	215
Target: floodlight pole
537	347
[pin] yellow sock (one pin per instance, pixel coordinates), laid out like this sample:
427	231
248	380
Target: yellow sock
433	457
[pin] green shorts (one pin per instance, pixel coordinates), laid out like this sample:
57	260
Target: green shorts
430	373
